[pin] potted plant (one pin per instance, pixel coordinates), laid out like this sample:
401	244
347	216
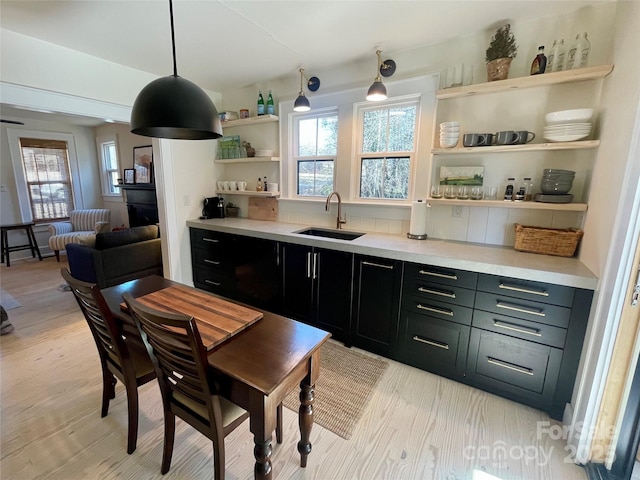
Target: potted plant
502	50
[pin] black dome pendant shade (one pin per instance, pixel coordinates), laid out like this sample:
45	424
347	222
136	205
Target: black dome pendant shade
173	107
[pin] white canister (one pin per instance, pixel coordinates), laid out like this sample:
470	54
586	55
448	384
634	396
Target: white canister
272	187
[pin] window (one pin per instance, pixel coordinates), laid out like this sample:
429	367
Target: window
108	151
315	150
387	149
48	179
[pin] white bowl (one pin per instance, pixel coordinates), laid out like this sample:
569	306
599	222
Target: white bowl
569	116
449	143
449	135
449	124
565	138
449	130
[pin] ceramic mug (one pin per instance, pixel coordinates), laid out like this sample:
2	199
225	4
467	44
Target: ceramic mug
477	139
507	137
226	185
220	185
523	136
232	186
242	186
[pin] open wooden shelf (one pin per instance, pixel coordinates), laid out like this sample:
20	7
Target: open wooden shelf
243	122
578	75
248	193
567	207
528	147
247	160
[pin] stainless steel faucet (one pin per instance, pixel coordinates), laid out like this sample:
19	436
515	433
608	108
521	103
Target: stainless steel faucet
339	221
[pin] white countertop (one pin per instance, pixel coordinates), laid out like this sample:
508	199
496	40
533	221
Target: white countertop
495	260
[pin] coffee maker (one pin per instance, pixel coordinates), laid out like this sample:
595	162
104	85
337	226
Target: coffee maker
213	207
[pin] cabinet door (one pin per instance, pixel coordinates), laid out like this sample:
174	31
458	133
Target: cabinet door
256	271
376	304
333	288
296	281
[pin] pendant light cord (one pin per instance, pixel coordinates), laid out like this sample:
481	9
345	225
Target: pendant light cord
301	75
173	40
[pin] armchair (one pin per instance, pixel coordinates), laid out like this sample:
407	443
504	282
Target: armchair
82	227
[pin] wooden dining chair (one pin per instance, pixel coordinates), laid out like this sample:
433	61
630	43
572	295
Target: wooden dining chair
122	357
186	381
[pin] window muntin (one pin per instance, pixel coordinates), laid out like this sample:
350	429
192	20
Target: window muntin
48	178
316	146
387	149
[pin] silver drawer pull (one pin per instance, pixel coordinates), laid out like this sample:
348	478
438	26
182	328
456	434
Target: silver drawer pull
441	311
444	346
371	264
437	292
517	328
515	308
213	240
214	262
498	363
532	291
436	274
215	284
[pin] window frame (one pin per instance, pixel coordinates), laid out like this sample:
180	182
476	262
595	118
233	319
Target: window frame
108	189
296	118
24	202
359	110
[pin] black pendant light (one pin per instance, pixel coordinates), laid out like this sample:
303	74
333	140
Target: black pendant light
173	107
377	91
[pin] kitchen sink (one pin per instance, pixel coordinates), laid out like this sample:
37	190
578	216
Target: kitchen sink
324	232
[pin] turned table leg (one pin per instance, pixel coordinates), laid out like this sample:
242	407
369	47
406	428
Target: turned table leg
305	421
262	453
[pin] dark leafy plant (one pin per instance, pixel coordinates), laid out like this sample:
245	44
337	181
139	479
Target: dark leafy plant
502	45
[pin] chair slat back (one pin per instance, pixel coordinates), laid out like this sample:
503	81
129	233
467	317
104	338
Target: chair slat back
179	356
106	332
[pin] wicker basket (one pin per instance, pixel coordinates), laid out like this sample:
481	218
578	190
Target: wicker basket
549	241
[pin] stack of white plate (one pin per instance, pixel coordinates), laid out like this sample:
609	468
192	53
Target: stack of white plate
568	125
449	134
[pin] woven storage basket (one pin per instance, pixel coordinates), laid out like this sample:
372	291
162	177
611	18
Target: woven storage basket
549	241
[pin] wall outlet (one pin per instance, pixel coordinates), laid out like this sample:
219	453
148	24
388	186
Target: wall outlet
457	211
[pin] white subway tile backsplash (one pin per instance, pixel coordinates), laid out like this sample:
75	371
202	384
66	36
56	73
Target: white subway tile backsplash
491	225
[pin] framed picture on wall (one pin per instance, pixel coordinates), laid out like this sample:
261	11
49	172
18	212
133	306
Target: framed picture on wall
143	163
129	176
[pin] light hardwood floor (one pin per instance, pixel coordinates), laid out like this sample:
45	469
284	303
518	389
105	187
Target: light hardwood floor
417	426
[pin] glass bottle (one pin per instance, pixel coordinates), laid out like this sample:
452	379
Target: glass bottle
508	191
527	183
260	103
582	54
259	185
571	58
539	63
560	57
264	182
270	107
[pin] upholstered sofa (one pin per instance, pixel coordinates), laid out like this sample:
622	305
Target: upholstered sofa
82	227
117	257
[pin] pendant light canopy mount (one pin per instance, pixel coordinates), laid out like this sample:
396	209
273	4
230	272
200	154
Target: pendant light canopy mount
173	107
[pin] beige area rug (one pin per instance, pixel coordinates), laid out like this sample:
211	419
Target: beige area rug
347	379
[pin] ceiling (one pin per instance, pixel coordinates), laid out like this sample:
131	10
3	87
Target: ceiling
223	44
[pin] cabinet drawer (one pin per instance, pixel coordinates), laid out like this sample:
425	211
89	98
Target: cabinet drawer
207	239
526	290
434	345
212	281
216	261
516	307
438	309
446	276
438	292
520	328
517	365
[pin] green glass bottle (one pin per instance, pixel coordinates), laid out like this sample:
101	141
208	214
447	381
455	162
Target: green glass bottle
260	103
270	107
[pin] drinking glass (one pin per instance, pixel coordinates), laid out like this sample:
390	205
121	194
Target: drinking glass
463	193
476	193
449	191
436	191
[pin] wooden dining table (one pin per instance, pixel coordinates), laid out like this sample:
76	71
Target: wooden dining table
256	367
